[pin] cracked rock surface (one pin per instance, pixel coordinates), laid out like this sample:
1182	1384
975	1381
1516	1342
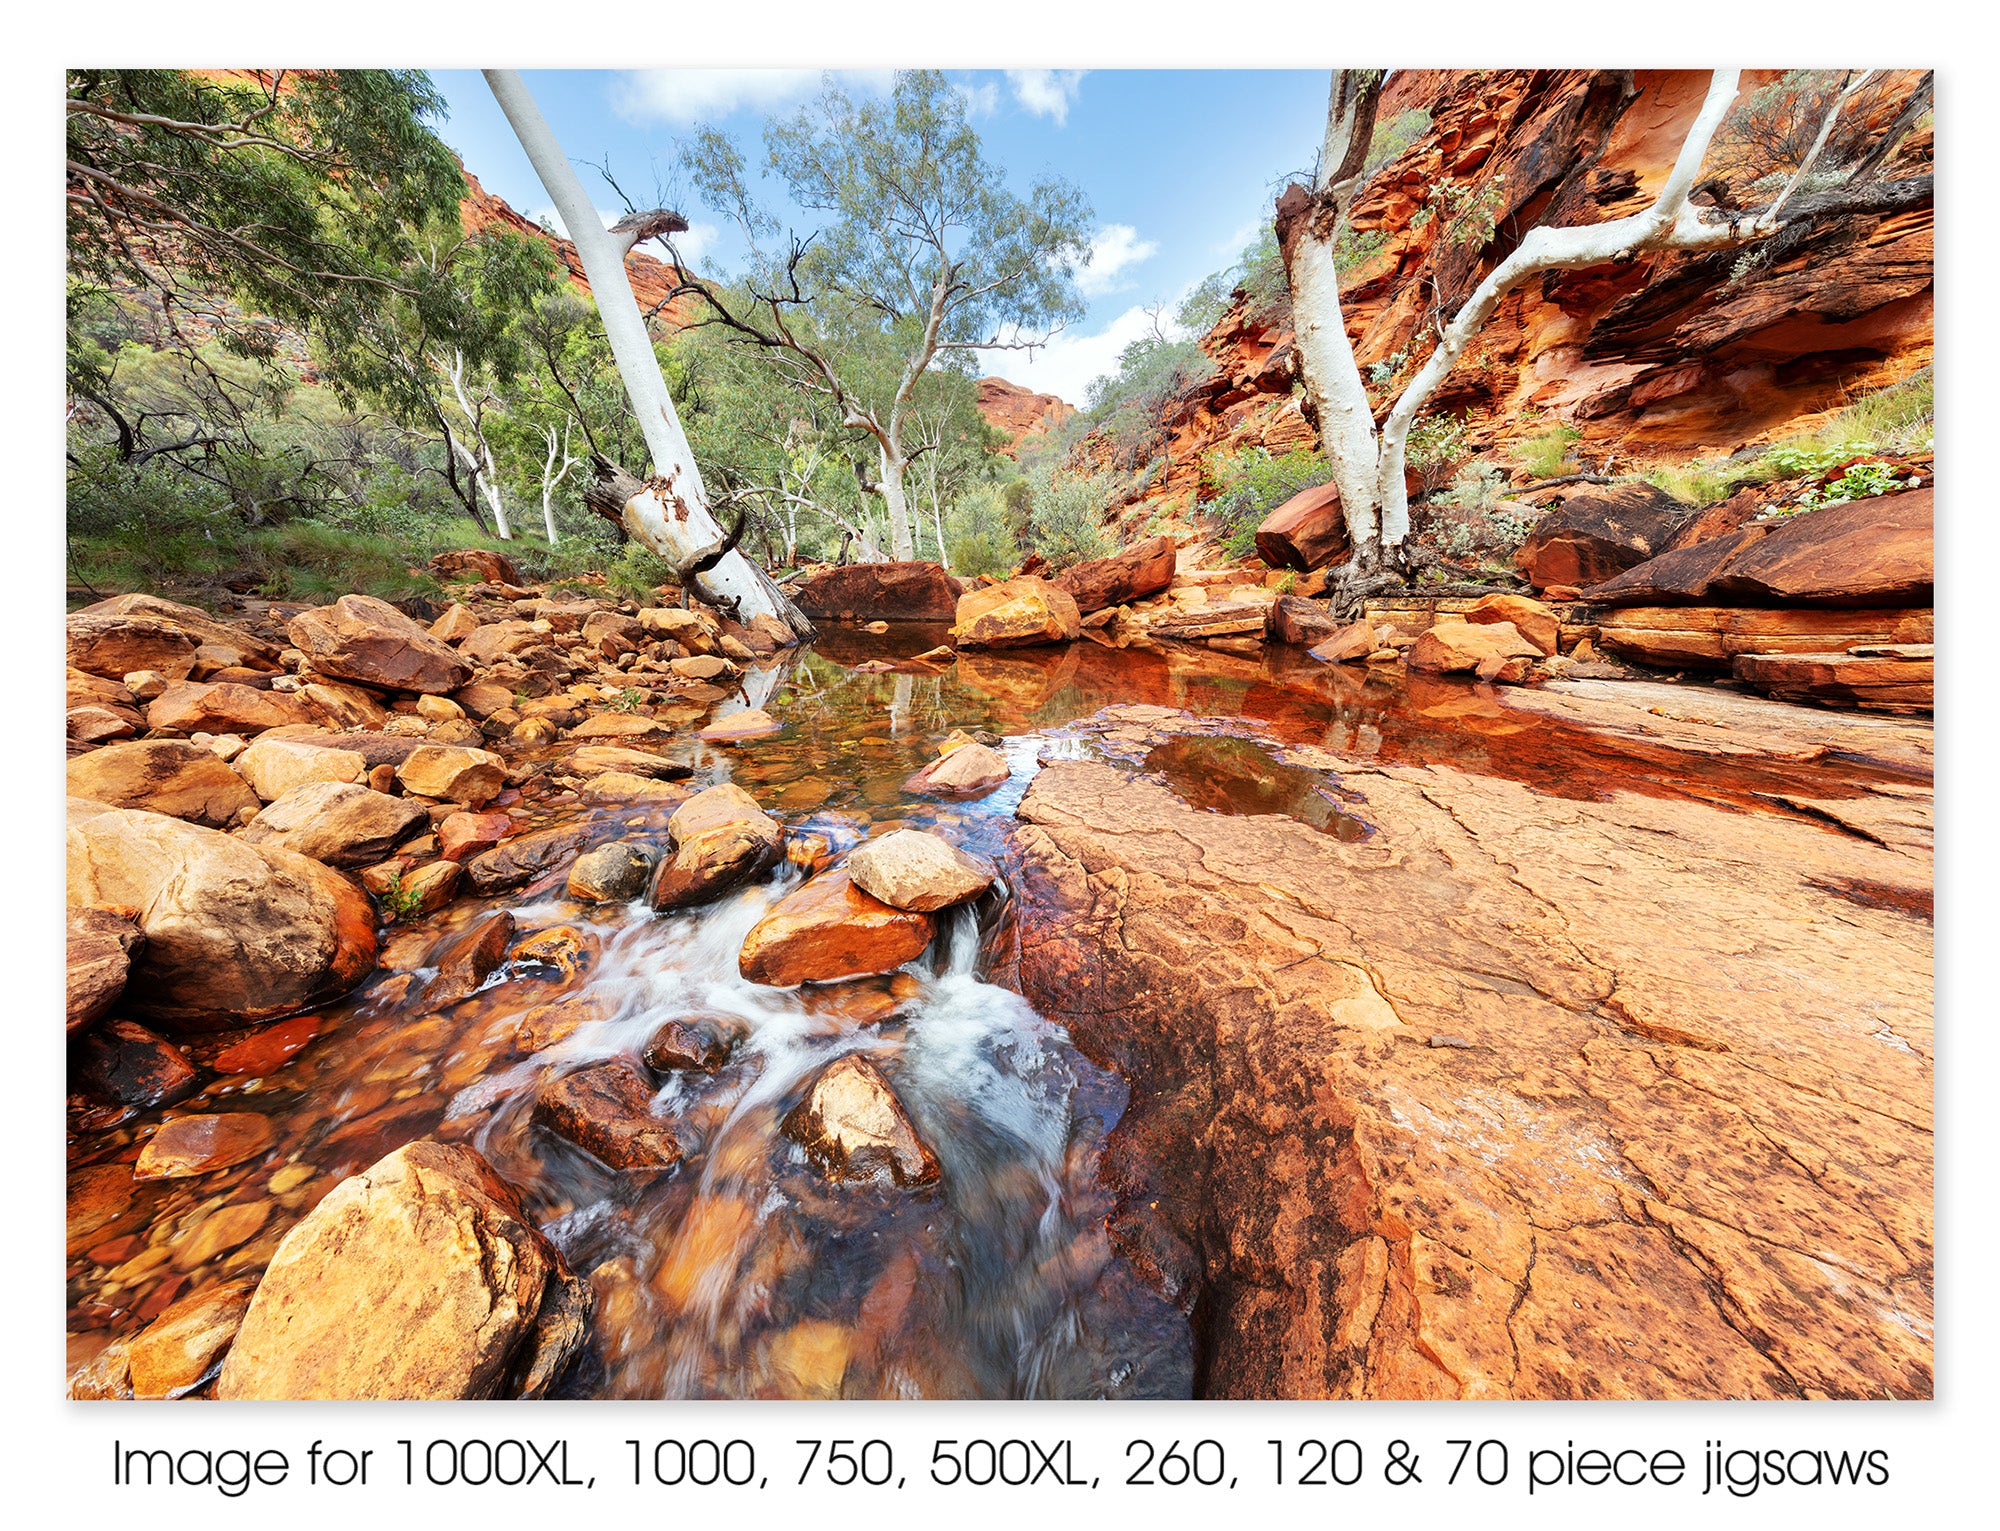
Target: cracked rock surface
1513	1096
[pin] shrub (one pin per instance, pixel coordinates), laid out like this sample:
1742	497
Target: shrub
1547	455
1434	447
1066	521
1247	486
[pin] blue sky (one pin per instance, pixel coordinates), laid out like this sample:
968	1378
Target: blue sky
1178	164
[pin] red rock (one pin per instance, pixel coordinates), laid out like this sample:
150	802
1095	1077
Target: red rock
721	839
1019	412
466	960
222	707
1354	641
268	1050
690	1043
1295	621
177	1351
102	945
605	1111
829	929
854	1127
1016	613
1531	619
1451	647
1146	568
476	564
466	834
115	646
1307	532
1598	533
194	1145
1710	637
912	591
970	771
524	857
1869	552
124	1062
362	639
1885	683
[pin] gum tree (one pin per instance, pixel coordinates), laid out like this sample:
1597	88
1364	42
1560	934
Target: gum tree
1367	457
923	255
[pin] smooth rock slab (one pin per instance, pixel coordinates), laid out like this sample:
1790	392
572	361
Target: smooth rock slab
194	1145
721	839
854	1127
362	639
829	929
969	771
420	1277
176	1352
914	869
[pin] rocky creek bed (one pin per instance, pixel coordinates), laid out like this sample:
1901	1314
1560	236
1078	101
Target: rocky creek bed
1321	1032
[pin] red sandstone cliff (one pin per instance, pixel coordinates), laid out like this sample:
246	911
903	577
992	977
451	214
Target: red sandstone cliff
1018	412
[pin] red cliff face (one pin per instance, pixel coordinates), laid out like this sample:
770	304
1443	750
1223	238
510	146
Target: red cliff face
651	279
1669	357
1012	409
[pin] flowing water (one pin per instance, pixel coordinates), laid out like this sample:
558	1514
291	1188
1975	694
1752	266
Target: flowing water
744	1272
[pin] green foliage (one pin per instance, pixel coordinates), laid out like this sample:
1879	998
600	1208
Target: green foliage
1770	131
1702	481
1247	486
1066	515
1434	446
1391	138
1547	455
1861	481
980	535
1466	210
1477	486
1127	408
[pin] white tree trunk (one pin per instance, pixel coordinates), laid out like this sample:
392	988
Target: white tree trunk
672	517
485	476
894	470
1333	383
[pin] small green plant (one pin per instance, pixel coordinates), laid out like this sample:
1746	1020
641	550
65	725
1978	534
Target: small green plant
398	902
1861	481
1288	582
628	700
1701	482
1792	461
1547	455
1434	447
1477	487
1468	212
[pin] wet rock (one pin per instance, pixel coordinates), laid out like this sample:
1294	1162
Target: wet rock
1355	641
1146	568
178	1351
194	1145
223	707
829	929
914	869
169	776
1531	619
124	1062
969	772
426	890
689	1043
1597	533
751	723
546	1025
617	725
362	639
910	591
611	874
102	944
234	932
1015	613
467	834
115	646
336	822
468	959
266	1051
525	857
562	947
453	773
617	787
1452	647
1305	533
854	1127
101	1204
721	839
605	1111
1300	622
594	759
418	1278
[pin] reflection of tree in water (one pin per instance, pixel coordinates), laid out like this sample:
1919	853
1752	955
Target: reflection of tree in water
1239	776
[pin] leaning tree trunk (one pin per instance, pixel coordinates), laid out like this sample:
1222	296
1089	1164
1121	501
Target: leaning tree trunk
670	514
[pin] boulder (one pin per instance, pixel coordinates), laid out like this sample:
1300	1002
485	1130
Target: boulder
855	1129
178	1351
617	725
420	1277
1146	568
524	857
1300	622
116	646
611	874
169	776
1598	533
1885	682
467	834
1452	647
593	759
694	632
495	642
336	822
274	766
362	639
482	698
1357	640
98	725
1870	552
1305	533
102	945
1679	575
605	1110
721	839
1016	613
702	667
453	772
194	1145
912	591
828	930
690	1043
226	644
224	707
426	890
1531	619
456	625
235	932
344	706
751	723
971	771
475	564
124	1062
617	787
467	959
914	869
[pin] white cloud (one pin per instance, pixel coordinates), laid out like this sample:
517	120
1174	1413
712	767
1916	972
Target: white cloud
688	96
694	245
1068	363
1112	248
1046	92
981	100
1238	242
